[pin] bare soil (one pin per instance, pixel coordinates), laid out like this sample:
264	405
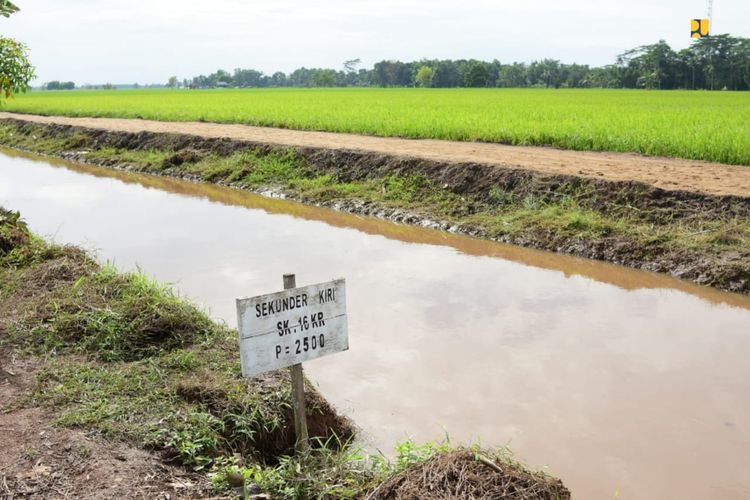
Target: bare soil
670	174
41	460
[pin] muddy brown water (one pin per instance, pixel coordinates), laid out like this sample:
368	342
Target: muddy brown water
623	383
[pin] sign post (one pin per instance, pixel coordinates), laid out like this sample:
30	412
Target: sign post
298	390
284	329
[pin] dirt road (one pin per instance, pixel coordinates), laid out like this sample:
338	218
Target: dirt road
666	173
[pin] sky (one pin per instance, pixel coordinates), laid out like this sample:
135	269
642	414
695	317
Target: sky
147	41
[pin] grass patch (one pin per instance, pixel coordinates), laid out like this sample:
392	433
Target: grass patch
192	404
124	317
115	317
142	159
250	169
652	123
14	233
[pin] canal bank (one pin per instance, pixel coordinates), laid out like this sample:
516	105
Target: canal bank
691	234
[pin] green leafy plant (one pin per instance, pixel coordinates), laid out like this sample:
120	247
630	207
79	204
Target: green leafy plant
16	72
7	8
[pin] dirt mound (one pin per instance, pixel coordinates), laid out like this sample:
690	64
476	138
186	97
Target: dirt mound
464	474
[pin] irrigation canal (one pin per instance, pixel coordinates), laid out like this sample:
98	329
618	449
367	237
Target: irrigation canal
626	384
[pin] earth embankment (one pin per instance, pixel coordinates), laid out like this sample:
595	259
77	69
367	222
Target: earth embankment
666	173
699	232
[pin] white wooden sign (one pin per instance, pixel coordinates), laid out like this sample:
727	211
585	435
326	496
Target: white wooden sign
285	328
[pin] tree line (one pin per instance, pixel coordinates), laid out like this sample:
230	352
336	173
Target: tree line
58	85
713	63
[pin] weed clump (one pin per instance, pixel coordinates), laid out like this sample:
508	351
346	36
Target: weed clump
123	317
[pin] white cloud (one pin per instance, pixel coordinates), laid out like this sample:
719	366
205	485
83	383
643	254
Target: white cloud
147	41
69	194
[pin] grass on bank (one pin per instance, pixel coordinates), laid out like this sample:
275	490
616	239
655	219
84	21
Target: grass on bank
685	124
124	357
128	358
571	215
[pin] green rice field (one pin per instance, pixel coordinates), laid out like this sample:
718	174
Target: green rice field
686	124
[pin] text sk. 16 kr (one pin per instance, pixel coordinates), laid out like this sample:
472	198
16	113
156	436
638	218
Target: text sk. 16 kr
292	326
